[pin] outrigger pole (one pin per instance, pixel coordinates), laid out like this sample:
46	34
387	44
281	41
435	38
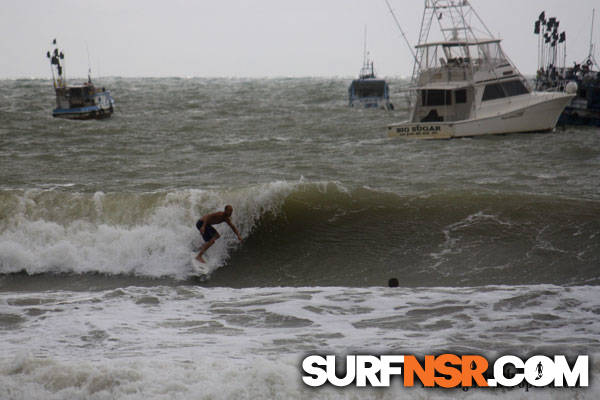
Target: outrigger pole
402	32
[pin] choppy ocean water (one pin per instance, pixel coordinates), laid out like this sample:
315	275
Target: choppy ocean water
495	242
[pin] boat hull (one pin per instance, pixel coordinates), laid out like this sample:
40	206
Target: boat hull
582	111
371	102
574	116
540	114
82	113
97	106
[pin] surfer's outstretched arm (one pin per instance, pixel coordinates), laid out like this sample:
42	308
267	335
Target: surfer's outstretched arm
234	229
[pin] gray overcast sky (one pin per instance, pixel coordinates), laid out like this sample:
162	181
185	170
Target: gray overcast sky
259	38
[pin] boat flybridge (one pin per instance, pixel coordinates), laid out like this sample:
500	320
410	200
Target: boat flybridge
464	85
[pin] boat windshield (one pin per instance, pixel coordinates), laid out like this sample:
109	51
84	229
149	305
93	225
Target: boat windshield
368	88
80	91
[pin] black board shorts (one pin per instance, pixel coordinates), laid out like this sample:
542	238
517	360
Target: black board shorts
209	231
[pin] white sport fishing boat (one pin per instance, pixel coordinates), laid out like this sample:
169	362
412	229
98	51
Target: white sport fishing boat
464	85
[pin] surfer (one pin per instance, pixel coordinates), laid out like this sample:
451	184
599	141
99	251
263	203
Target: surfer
209	233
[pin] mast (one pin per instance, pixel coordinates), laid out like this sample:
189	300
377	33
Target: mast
367	70
591	54
57	61
89	63
365	48
456	20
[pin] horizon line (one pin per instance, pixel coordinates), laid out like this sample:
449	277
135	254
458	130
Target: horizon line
202	77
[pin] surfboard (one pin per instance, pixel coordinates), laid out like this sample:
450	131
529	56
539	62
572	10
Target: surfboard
198	268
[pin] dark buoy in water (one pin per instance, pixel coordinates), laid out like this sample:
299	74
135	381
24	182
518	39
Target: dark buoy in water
393	282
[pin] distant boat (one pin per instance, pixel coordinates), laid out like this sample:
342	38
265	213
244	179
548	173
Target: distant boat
582	79
77	102
464	85
367	91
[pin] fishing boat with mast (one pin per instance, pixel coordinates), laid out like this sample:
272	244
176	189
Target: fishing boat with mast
582	79
84	101
367	91
464	85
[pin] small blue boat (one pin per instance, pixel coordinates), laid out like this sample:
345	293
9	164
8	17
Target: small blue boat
367	91
84	101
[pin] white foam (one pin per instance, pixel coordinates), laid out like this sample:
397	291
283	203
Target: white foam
191	342
144	234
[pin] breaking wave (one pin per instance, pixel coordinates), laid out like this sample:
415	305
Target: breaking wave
303	233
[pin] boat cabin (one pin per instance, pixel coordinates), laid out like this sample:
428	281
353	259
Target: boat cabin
361	88
456	76
75	96
368	91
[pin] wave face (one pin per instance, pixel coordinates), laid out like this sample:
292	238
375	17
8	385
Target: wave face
305	234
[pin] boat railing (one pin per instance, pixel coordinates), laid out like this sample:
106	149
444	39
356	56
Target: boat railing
458	70
445	74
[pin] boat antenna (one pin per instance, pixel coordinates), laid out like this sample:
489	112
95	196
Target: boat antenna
402	32
591	55
367	70
89	63
365	48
